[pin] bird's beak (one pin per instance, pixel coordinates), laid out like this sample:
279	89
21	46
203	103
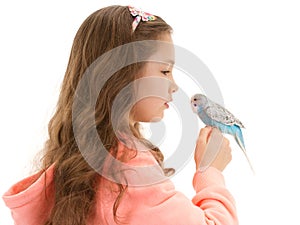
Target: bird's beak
192	99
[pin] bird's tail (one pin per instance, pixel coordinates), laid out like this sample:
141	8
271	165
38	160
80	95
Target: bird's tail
242	146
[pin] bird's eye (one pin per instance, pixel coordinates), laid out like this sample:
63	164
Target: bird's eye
195	99
195	105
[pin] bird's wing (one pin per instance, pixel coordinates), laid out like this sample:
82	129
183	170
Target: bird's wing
222	115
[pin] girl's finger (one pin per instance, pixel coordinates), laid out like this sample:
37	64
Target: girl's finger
204	134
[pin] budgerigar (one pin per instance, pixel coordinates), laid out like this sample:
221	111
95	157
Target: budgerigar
213	114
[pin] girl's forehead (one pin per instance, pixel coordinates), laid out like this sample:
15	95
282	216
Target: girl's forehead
158	64
165	54
164	50
162	62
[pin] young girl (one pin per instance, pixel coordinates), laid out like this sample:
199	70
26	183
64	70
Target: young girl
82	183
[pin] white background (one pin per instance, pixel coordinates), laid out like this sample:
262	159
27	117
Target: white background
251	47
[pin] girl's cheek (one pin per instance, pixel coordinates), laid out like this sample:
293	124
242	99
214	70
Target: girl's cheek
153	86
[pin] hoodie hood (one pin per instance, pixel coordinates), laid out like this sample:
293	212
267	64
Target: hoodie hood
31	199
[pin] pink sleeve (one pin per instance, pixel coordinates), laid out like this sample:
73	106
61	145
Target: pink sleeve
162	204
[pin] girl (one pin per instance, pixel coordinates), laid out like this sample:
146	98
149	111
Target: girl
82	183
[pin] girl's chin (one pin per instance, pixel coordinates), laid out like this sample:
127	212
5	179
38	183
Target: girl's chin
156	119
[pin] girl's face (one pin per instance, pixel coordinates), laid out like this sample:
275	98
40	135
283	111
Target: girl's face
156	86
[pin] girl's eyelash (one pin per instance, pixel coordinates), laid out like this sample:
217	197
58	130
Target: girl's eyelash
165	72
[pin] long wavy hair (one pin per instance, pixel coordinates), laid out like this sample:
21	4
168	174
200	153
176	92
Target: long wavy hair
75	181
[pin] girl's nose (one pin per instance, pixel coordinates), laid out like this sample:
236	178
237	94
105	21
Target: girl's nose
173	87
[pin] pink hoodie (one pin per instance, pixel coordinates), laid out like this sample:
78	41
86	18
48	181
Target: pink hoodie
31	199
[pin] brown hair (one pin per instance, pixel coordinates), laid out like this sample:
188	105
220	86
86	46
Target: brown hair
75	181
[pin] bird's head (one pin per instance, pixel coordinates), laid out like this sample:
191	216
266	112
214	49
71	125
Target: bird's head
198	100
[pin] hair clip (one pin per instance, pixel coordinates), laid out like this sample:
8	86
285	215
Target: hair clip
139	15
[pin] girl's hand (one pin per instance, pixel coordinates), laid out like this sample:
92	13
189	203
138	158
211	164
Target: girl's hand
223	156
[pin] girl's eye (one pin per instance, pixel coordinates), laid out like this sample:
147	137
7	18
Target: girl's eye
165	72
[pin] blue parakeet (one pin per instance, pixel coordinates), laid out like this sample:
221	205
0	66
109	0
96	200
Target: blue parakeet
214	115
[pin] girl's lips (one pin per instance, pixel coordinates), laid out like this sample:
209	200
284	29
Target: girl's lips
167	105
